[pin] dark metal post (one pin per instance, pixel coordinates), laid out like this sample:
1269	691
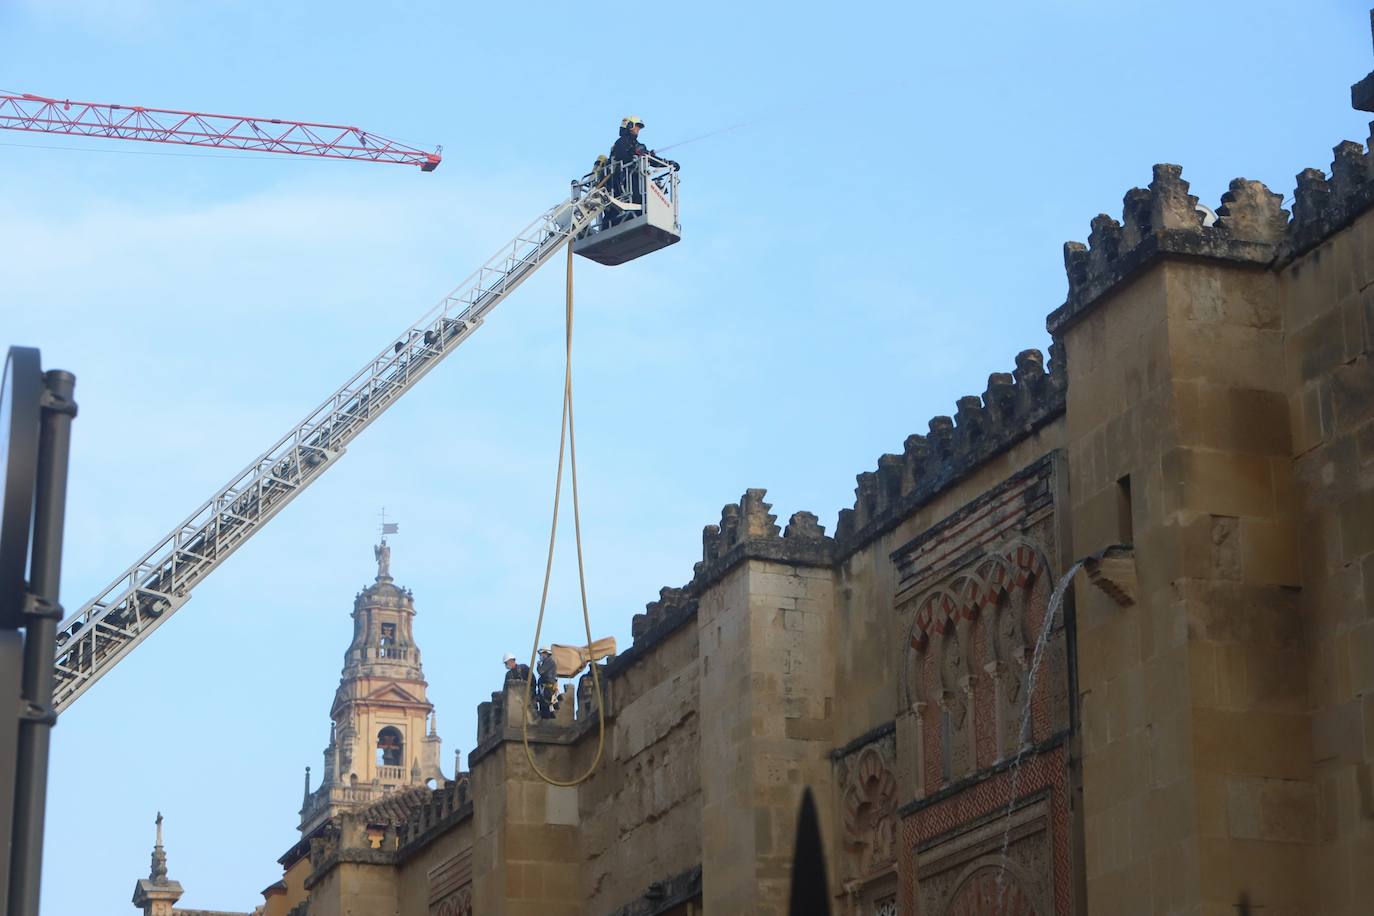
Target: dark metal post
40	633
11	664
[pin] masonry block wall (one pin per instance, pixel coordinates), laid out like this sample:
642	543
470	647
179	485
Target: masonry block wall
641	818
1200	395
1173	711
1328	317
767	698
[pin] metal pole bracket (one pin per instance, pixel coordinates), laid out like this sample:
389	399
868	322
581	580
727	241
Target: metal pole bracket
37	607
30	711
55	403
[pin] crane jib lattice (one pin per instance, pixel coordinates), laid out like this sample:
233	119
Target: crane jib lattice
194	128
108	627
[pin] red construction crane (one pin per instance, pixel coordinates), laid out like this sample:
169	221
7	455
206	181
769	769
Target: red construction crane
193	128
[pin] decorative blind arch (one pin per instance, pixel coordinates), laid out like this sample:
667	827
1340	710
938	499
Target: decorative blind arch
1013	567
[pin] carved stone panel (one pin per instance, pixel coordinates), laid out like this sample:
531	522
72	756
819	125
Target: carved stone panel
966	874
458	903
868	799
989	892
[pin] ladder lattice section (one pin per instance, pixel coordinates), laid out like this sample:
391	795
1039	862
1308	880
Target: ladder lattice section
109	626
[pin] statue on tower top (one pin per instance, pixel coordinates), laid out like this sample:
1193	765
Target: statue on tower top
157	893
382	551
158	873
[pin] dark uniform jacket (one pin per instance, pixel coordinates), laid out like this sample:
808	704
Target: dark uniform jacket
627	148
548	670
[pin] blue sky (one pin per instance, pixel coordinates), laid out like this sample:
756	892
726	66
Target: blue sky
883	235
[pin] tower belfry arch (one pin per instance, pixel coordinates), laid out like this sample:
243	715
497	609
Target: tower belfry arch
382	737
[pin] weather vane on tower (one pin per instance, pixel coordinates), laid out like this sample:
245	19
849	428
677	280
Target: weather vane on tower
383	551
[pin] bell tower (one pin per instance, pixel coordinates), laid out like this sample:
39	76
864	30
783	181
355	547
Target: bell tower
382	735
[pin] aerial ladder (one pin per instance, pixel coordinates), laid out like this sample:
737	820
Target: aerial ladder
610	218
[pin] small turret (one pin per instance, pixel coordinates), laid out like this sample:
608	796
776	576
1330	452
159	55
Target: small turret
156	894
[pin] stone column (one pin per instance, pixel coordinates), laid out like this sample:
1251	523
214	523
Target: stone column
966	685
911	771
997	671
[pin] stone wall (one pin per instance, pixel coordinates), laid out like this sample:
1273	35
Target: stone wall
872	634
767	698
641	819
1221	711
1328	317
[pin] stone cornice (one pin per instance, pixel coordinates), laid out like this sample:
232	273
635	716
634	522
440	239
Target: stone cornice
867	738
348	856
819	552
1169	244
540	733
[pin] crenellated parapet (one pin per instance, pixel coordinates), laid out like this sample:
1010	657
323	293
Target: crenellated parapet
390	829
588	703
748	530
443	806
503	718
1322	206
1165	219
491	717
1251	227
1015	404
671	603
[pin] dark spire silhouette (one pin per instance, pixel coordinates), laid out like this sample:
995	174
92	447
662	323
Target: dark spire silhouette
810	894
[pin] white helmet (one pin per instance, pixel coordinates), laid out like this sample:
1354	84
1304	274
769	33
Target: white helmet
508	658
544	650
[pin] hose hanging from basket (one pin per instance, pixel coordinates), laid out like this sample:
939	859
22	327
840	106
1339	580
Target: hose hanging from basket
567	437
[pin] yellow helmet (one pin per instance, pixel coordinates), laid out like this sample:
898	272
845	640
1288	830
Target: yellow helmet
631	121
